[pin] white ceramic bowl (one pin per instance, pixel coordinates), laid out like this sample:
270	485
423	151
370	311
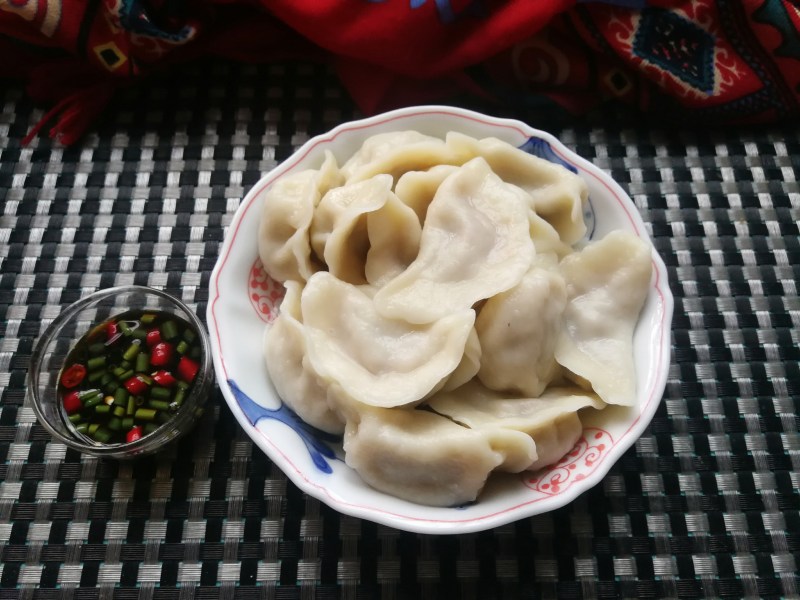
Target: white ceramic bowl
243	300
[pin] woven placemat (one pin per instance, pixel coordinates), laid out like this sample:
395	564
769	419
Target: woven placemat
705	505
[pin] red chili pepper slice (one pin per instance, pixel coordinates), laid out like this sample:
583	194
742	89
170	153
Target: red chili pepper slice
112	330
72	402
161	354
164	378
73	376
153	337
187	369
136	386
134	434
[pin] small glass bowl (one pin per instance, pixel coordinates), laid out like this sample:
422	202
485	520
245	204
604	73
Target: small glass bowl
69	327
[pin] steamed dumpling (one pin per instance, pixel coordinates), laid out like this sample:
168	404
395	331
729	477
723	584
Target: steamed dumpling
417	188
551	419
296	384
396	152
375	360
518	330
426	458
556	194
394	232
287	211
475	243
339	232
545	237
469	365
607	283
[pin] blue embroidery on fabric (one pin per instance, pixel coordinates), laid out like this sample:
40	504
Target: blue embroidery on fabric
445	10
133	17
678	46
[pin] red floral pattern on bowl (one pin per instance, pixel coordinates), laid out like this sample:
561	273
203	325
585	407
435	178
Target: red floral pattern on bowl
588	452
264	292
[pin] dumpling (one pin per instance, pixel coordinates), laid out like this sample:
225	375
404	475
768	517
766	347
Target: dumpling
426	458
607	284
296	384
554	441
475	243
397	152
394	232
518	330
551	419
469	365
556	194
377	361
339	233
287	210
417	188
545	237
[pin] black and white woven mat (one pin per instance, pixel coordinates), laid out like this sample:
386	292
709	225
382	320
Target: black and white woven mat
705	505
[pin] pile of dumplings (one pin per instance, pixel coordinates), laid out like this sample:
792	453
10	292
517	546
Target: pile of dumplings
443	313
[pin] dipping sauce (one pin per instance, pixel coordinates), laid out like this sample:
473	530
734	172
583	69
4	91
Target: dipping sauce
129	375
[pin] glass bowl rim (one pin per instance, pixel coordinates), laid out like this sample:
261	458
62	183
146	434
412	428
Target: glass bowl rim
146	444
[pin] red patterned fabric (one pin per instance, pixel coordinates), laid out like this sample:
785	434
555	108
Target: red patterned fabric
726	60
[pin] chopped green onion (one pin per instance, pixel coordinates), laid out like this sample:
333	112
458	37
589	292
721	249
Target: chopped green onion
92	401
158	404
169	330
145	414
97	362
132	351
142	363
121	396
126	375
102	435
161	393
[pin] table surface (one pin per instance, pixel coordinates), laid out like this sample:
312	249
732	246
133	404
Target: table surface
705	505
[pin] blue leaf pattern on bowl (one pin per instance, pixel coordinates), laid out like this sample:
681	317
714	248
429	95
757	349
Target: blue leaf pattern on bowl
314	439
543	149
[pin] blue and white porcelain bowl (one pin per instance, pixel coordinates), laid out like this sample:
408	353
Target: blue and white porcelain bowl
243	300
